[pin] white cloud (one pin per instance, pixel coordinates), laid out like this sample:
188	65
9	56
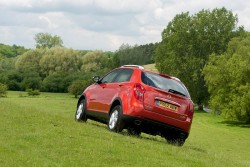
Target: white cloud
49	22
100	24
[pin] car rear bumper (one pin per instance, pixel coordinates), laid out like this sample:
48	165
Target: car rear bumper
153	127
138	112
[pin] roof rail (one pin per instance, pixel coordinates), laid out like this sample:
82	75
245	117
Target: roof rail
175	78
134	66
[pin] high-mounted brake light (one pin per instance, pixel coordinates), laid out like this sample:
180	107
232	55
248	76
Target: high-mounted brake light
139	91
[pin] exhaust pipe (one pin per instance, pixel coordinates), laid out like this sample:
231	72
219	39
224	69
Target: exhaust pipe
138	122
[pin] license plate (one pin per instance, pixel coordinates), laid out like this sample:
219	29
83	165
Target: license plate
167	105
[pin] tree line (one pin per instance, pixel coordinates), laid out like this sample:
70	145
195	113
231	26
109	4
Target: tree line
51	67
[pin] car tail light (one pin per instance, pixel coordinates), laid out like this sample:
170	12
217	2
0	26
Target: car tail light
190	110
139	91
191	107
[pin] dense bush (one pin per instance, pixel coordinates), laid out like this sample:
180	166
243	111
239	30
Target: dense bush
33	92
3	90
55	83
77	87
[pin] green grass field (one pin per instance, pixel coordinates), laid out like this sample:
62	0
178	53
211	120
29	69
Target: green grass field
41	131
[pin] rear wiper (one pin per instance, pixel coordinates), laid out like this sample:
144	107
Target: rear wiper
176	92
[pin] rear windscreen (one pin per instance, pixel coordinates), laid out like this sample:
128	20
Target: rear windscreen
166	84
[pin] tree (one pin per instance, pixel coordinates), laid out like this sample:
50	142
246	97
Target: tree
59	82
140	55
28	66
6	65
14	79
59	60
55	83
31	80
29	61
11	51
46	40
228	79
95	61
187	42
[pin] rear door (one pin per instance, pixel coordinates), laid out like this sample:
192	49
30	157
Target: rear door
103	92
109	88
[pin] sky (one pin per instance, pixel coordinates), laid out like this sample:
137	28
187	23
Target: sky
101	24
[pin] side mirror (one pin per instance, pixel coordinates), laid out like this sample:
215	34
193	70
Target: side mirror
96	79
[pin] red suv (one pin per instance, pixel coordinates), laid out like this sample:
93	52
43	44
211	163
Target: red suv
138	100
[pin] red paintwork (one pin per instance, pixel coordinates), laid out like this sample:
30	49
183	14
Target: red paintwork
101	96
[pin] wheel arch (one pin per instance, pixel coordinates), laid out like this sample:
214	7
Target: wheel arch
83	96
116	101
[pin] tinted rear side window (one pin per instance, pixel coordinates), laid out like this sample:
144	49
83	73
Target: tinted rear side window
124	75
164	83
111	76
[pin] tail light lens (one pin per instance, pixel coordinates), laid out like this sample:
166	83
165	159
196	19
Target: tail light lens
191	107
139	91
191	110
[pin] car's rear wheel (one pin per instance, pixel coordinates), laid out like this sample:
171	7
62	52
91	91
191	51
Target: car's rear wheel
175	140
80	114
115	122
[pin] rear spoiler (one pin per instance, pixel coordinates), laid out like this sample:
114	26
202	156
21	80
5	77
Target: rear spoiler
134	66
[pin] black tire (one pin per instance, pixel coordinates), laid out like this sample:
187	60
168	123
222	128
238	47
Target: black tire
175	140
115	122
80	114
134	132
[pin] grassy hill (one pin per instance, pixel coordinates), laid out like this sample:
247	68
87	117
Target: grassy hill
41	131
